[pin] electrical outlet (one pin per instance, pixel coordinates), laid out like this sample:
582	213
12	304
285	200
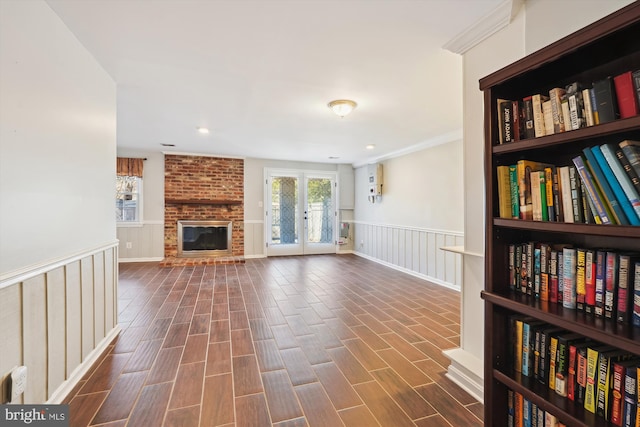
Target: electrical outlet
129	245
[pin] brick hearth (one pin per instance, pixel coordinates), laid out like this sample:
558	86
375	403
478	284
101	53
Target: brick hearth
199	178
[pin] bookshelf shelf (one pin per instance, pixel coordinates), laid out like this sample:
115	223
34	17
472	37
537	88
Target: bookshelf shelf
623	129
605	331
548	400
626	231
608	47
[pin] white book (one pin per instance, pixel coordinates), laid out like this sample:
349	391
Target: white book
565	184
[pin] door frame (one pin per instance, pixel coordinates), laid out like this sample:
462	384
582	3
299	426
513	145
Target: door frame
301	248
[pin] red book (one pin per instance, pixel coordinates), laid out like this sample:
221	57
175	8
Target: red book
590	282
626	95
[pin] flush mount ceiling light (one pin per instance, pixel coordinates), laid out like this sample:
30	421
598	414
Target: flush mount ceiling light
342	107
370	147
203	131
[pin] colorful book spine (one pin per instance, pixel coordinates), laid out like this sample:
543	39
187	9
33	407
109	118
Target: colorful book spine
592	190
636	295
569	278
581	374
630	171
605	365
592	378
581	289
515	197
601	257
601	181
626	264
504	192
631	150
553	351
632	195
590	281
553	275
628	211
630	403
611	283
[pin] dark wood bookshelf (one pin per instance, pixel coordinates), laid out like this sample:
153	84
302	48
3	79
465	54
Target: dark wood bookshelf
605	48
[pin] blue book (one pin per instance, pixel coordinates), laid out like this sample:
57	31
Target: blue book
593	191
628	209
609	197
569	278
609	153
526	409
636	295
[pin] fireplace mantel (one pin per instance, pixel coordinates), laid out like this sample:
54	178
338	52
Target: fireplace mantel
202	202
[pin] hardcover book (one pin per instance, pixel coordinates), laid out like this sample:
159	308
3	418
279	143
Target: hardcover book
605	365
631	150
504	192
524	169
606	100
636	295
590	281
626	95
564	187
562	361
611	285
631	173
569	278
527	115
627	209
609	197
630	403
593	190
601	257
632	195
626	265
538	114
581	289
555	96
576	106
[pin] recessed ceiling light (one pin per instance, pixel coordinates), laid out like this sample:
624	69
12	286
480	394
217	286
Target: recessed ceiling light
370	147
168	145
333	157
204	131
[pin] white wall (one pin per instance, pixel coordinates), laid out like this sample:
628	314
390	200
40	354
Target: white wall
421	210
58	270
57	141
422	189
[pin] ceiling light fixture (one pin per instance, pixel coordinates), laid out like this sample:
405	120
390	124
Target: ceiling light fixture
370	147
342	107
203	131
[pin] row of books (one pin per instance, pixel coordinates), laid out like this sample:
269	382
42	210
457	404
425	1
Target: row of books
599	282
598	377
601	187
524	413
568	108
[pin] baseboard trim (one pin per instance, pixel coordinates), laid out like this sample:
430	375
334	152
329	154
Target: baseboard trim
255	256
149	259
67	386
346	251
463	371
411	272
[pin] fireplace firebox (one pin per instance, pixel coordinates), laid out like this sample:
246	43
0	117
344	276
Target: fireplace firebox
204	238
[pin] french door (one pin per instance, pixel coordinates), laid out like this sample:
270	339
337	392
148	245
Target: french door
301	212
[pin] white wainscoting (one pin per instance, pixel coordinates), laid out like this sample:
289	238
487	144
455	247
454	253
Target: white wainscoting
413	250
254	238
57	318
146	239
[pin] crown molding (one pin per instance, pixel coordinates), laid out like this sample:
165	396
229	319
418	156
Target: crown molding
456	135
489	24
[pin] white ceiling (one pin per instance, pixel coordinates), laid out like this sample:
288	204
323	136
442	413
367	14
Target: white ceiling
259	74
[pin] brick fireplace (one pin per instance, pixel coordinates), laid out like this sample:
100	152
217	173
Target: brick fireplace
201	188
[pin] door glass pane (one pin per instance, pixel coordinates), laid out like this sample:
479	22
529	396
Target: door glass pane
319	211
284	210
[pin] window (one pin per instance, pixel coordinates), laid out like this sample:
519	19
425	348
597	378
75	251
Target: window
128	189
128	198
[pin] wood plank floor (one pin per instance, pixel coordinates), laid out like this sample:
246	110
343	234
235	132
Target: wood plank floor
325	340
